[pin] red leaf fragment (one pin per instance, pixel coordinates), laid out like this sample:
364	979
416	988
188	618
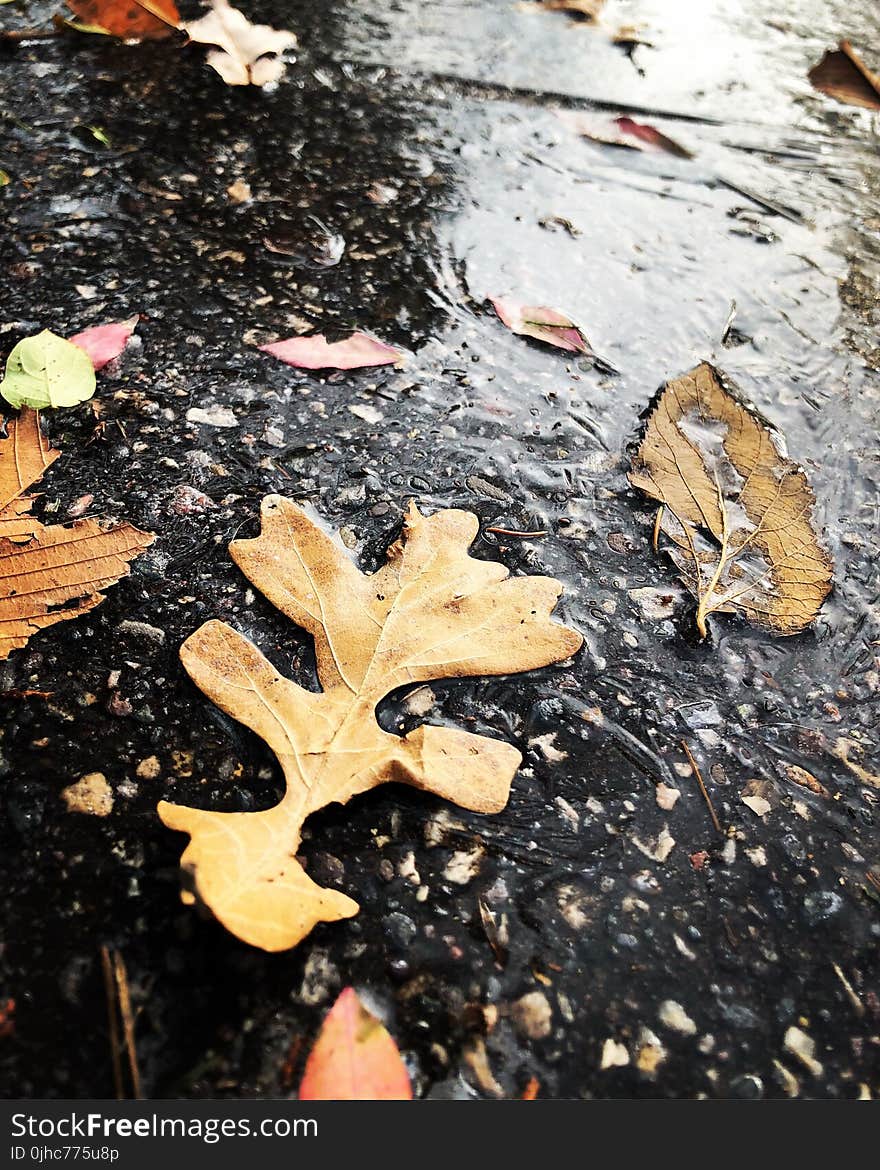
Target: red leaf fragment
653	137
103	343
317	353
354	1058
542	324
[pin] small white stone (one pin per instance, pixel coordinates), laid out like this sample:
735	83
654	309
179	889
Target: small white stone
545	743
799	1044
463	866
759	806
214	416
614	1055
368	413
672	1015
666	796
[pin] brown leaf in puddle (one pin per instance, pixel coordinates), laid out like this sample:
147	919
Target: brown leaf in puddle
431	612
315	352
354	1058
245	53
735	510
129	19
50	574
842	75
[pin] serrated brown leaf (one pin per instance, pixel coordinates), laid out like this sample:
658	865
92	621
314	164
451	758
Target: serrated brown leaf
431	612
49	574
735	509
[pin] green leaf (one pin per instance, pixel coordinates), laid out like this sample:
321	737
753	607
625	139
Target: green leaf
4	178
46	371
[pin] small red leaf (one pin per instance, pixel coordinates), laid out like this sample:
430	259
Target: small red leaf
541	323
354	1058
317	353
103	343
652	137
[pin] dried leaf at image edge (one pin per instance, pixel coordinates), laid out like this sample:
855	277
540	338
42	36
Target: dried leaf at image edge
50	574
129	19
354	1058
431	612
736	512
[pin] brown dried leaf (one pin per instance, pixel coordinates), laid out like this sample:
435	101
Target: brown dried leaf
586	9
843	76
431	612
736	511
24	456
49	574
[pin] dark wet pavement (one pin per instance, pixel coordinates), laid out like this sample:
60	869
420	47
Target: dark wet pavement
694	960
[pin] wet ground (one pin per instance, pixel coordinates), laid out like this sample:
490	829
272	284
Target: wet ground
694	967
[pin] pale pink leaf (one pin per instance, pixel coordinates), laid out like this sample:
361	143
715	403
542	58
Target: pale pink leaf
317	353
103	343
541	323
652	136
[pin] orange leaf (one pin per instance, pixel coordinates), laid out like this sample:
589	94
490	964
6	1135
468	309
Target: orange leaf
49	574
130	19
354	1058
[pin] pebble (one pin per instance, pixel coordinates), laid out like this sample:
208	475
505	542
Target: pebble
801	1045
91	794
213	416
614	1054
464	865
533	1016
149	768
143	631
672	1015
666	796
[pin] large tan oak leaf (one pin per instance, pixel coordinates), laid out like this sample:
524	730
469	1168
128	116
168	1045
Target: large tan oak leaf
49	574
431	612
736	510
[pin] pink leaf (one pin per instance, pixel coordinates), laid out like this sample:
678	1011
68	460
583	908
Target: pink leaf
541	323
652	137
354	1058
103	343
317	353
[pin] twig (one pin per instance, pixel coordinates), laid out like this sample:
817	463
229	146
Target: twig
516	532
657	522
110	992
708	799
13	35
127	1023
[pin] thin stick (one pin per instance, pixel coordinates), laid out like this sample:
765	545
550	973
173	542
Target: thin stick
657	522
708	799
127	1024
110	991
516	532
